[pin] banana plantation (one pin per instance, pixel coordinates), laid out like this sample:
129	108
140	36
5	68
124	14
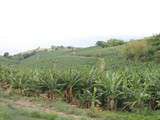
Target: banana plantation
133	88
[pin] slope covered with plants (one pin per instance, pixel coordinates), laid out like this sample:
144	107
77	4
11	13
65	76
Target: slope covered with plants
115	78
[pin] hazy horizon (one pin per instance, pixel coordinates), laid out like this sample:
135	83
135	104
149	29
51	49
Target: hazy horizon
29	24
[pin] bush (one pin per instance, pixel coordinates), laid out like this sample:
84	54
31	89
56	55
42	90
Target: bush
110	43
101	44
114	42
26	55
154	50
155	42
136	50
6	54
157	56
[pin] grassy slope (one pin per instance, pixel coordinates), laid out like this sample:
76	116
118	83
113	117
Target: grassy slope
13	107
8	113
81	58
113	56
6	61
60	59
64	59
10	109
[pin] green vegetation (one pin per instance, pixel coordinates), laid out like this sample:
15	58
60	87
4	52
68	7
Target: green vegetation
110	43
137	50
59	110
119	77
6	54
133	88
9	113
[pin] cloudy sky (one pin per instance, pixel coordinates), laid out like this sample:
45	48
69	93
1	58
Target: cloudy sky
27	24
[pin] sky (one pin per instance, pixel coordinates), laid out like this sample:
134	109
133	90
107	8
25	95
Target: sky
28	24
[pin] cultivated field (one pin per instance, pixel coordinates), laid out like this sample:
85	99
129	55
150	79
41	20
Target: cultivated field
100	83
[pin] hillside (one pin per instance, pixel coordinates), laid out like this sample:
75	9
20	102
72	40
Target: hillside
99	78
63	59
7	61
113	57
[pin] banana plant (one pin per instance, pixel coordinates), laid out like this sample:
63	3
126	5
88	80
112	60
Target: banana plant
49	83
71	79
19	81
88	90
110	87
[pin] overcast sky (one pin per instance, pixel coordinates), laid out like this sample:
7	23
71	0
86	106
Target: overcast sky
27	24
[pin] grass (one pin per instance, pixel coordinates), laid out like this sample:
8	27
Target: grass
63	59
59	60
6	61
82	58
125	116
58	110
9	113
68	109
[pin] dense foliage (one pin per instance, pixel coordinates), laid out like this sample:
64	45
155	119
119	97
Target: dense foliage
6	54
110	43
112	78
131	89
136	50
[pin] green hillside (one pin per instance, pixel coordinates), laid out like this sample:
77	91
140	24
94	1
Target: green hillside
63	58
59	59
6	61
145	51
105	77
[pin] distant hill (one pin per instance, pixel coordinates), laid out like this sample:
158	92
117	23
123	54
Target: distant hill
6	61
66	58
62	58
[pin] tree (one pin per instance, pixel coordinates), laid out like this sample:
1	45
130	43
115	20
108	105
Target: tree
6	54
53	47
70	47
61	46
101	44
114	42
110	43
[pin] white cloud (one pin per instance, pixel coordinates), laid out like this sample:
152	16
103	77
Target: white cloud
25	24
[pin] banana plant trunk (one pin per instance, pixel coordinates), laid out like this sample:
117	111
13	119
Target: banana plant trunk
111	104
50	95
68	94
153	104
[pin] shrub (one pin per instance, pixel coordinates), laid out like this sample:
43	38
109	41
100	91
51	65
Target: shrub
136	50
157	56
110	43
101	44
114	42
6	54
154	49
155	42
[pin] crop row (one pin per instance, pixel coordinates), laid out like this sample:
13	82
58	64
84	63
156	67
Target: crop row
130	88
